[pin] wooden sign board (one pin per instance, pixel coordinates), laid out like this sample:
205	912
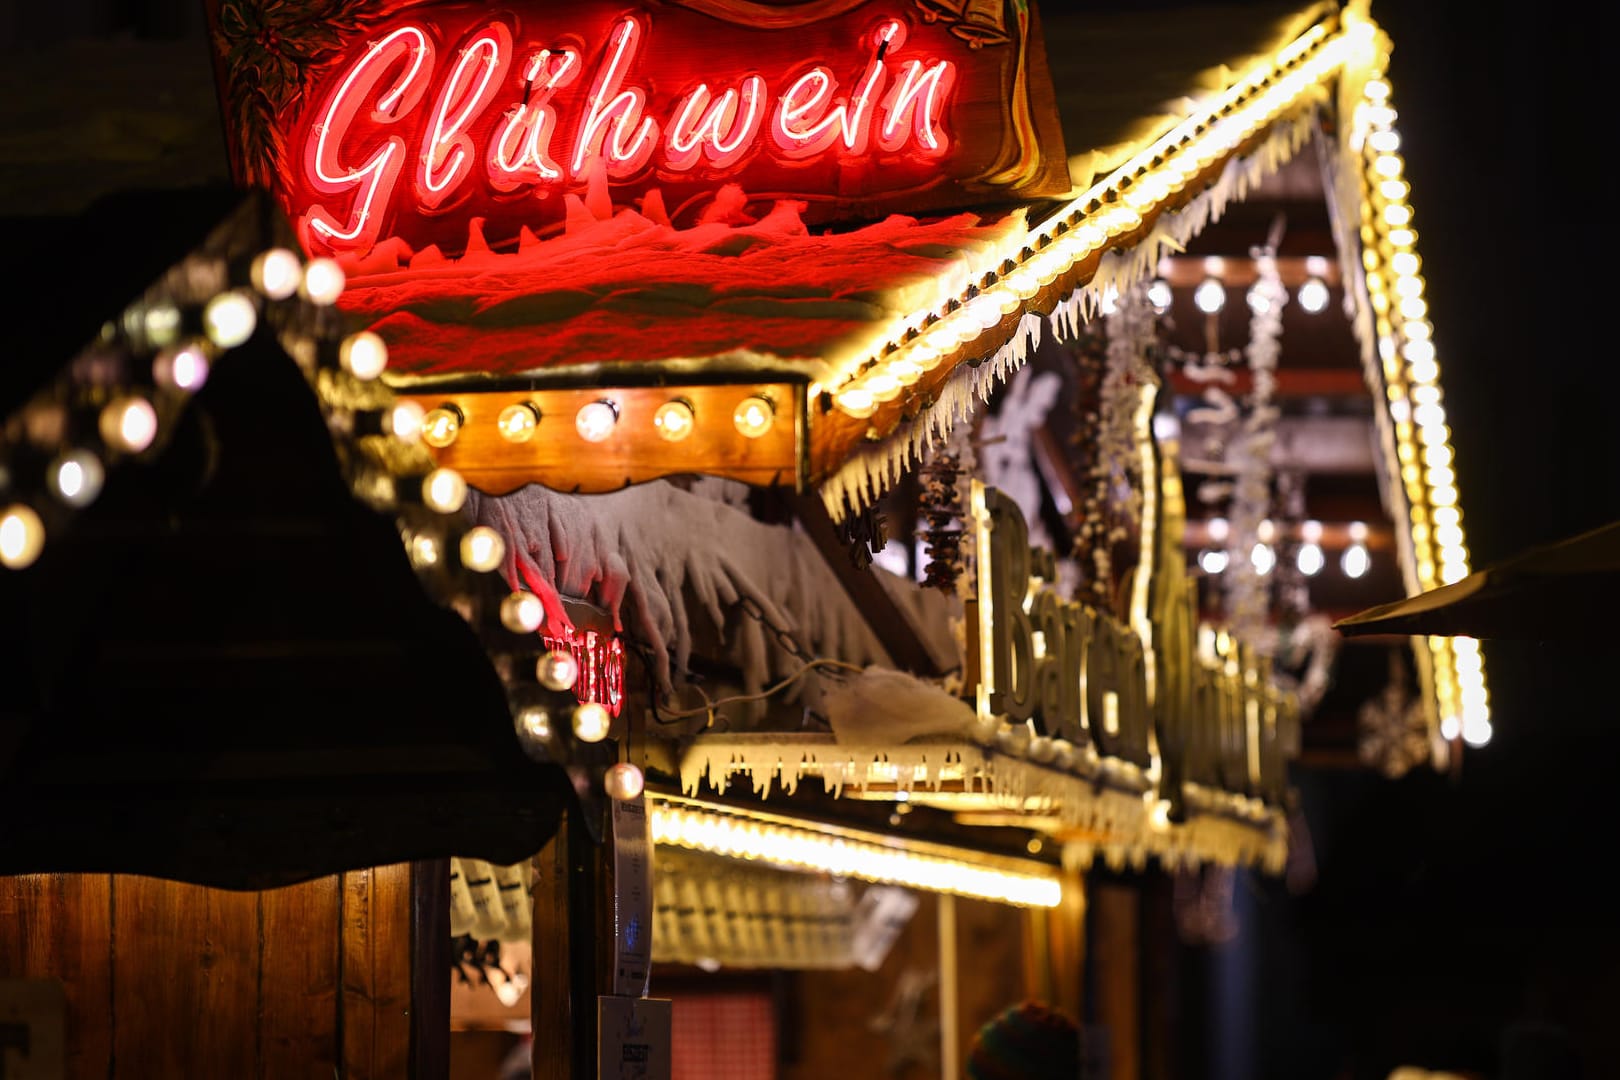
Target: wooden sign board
425	121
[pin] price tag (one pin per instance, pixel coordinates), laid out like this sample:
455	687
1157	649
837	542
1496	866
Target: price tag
632	898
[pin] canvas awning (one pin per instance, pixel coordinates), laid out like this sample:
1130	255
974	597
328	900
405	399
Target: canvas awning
1563	591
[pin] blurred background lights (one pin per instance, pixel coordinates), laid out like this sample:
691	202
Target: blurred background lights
1210	296
674	420
444	490
1263	559
1476	730
591	722
534	722
522	612
1212	560
77	477
363	355
1450	727
405	421
323	282
623	781
277	273
1159	295
129	424
183	368
1259	303
1310	559
1355	561
753	416
22	536
229	319
518	422
1313	295
595	420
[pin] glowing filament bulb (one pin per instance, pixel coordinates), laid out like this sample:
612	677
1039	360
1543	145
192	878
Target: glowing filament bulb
229	319
1355	561
522	612
534	722
591	722
623	781
423	549
363	355
857	402
77	478
518	422
482	549
674	420
557	670
754	415
276	273
1313	295
595	420
405	421
441	426
22	536
185	368
1210	296
444	490
129	424
323	282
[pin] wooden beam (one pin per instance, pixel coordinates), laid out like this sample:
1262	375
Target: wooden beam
1186	271
1336	382
891	625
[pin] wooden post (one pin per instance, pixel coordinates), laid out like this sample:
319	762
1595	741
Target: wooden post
1115	931
430	970
950	1040
570	949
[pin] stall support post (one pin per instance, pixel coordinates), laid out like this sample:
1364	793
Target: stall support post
950	1040
570	950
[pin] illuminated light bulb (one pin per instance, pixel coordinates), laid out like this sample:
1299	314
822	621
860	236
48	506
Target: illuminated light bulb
595	420
591	722
1430	414
674	420
557	670
1263	559
1450	727
1402	237
1453	572
444	490
76	478
1404	262
1310	559
1394	190
185	368
1434	434
1159	294
857	402
984	311
129	424
623	781
1384	142
534	722
229	319
1110	301
423	549
1358	531
1397	215
405	421
1426	395
1219	529
161	324
1266	531
1212	560
276	273
22	536
1259	302
1210	296
522	612
1355	561
1387	165
1446	515
1440	477
323	282
363	355
754	415
441	425
1310	531
1375	89
881	385
1408	286
1313	295
1022	283
906	370
1424	371
1476	731
1414	307
517	422
1417	330
482	549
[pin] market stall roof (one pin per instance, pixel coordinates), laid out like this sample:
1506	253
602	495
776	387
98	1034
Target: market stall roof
1562	591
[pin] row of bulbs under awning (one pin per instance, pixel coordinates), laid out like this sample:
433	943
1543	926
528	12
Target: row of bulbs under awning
1354	561
1209	295
595	421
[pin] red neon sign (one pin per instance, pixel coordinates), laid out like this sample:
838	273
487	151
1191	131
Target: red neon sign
427	116
601	665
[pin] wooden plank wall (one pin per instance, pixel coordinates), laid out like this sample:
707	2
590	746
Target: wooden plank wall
164	979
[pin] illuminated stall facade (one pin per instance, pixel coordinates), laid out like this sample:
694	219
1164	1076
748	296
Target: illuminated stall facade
638	320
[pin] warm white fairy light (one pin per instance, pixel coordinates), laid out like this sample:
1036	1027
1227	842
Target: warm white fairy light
518	422
363	355
1210	296
1116	206
76	477
623	781
229	318
1160	295
444	490
277	273
534	722
405	421
522	612
1263	558
323	282
129	424
753	415
595	420
184	367
851	854
441	425
1313	295
482	549
557	670
1212	560
1355	562
22	536
592	722
1309	559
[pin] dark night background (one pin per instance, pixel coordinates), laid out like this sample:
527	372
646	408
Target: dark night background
1458	922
